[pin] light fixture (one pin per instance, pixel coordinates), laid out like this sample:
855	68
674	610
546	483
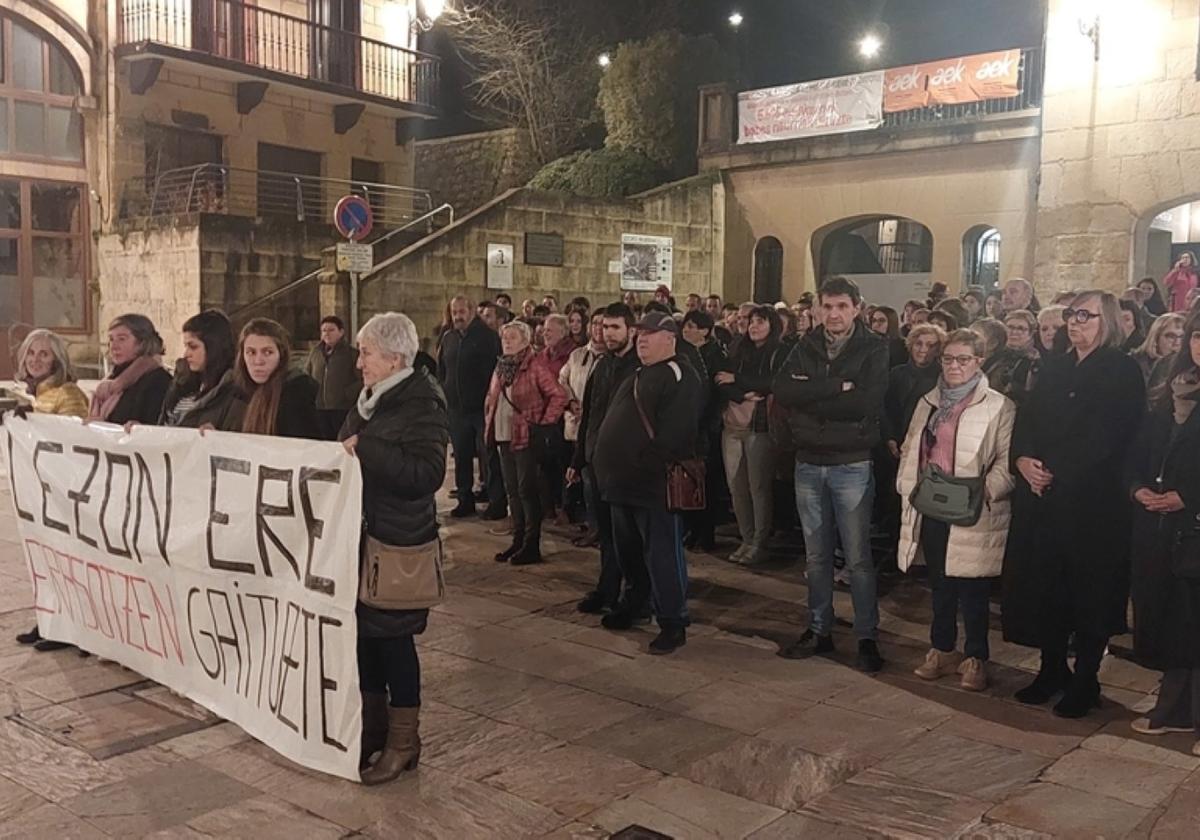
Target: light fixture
735	19
604	60
1091	30
428	12
869	45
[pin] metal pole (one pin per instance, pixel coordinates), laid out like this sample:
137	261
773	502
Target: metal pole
354	304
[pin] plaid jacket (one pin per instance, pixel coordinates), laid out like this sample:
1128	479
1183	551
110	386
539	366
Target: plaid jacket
536	396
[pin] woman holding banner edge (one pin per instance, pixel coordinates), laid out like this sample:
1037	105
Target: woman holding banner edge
399	432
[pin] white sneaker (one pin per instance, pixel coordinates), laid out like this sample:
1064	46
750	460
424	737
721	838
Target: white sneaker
739	554
1143	726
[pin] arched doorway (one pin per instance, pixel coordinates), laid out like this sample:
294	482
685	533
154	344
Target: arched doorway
768	270
981	257
43	224
889	257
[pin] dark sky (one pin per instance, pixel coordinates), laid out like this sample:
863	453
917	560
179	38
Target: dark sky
785	41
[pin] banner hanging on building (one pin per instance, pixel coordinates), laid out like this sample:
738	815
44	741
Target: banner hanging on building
808	109
953	81
222	566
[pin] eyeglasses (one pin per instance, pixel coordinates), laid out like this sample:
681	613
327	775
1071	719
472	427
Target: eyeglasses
961	361
1079	316
1017	328
1173	336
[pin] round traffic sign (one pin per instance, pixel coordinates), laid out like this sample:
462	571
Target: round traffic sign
352	217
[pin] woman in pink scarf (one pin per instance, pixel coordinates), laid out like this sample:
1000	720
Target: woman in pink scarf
135	389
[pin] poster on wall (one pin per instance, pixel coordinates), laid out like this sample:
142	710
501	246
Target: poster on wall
646	262
808	109
499	266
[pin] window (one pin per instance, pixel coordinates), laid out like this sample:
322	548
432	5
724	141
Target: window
38	88
768	270
289	183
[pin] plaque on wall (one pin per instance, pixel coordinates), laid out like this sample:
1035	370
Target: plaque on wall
544	249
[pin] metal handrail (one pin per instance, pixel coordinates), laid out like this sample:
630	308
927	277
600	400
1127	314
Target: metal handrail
428	216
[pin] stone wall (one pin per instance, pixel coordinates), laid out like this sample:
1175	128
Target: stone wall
1120	139
469	170
420	280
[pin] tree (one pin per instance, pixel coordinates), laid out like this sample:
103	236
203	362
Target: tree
611	172
649	96
534	65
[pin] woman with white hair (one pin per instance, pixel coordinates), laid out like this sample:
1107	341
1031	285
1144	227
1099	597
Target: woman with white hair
399	433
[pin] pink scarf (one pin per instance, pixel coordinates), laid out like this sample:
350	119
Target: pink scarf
108	392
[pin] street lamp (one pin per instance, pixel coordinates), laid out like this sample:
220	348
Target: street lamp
428	12
604	60
869	45
735	19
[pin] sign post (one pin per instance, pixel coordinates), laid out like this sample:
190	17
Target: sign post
353	219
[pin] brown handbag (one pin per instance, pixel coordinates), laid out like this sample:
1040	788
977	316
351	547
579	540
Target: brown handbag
398	577
685	478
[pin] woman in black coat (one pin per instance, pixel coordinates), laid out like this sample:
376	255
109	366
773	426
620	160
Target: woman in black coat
135	390
203	394
279	401
697	328
1165	485
399	432
1066	567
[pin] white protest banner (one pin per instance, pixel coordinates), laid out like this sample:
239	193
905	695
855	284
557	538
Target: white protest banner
223	566
808	109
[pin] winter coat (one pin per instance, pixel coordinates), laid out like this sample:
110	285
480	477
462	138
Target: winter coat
907	383
537	398
1166	608
142	401
223	406
465	364
831	425
574	378
754	370
981	445
712	356
1068	551
607	376
402	453
63	398
1012	372
556	357
297	413
336	374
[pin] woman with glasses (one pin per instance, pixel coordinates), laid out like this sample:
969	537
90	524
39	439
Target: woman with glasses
1163	339
1166	537
1012	367
1066	570
963	428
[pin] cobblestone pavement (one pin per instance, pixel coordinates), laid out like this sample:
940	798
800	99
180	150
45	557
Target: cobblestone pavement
537	723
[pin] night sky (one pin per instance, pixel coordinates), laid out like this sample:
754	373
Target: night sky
782	41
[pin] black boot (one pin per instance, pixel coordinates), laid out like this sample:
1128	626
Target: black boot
669	640
1082	695
512	551
1050	680
31	637
531	552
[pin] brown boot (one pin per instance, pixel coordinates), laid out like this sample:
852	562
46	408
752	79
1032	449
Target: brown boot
403	748
374	725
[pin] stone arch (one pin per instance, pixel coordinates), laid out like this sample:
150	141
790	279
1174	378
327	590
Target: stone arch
1142	255
768	270
63	30
981	256
867	244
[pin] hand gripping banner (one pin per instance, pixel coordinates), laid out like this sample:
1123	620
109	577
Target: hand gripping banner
223	566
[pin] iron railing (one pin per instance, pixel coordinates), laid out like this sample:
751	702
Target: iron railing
266	39
214	188
1030	82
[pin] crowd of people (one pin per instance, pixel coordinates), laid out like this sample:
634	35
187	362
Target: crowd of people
1047	453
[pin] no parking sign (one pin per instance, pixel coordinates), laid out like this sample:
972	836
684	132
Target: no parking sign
353	218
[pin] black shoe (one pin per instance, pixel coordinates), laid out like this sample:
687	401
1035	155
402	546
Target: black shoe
494	513
1078	699
1044	686
508	553
30	638
527	556
481	495
623	618
869	659
45	645
592	604
463	510
669	639
809	644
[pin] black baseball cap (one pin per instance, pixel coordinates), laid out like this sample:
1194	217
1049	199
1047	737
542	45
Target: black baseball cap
657	322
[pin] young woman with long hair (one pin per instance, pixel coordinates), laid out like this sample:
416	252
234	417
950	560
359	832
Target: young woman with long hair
203	393
279	401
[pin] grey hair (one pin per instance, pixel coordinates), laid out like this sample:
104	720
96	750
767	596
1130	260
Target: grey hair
63	370
557	318
393	334
1053	312
521	327
150	343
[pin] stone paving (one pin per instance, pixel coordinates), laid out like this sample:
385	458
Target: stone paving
537	723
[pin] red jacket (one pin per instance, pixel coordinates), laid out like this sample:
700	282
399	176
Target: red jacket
556	357
537	397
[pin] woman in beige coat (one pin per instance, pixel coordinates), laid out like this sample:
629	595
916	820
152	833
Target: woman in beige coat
963	427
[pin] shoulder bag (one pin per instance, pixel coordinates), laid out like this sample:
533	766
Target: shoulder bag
955	501
401	577
685	479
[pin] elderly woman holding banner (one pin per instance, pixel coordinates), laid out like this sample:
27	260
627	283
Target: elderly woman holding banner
399	433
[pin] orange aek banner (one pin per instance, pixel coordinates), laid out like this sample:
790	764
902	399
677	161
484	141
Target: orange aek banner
952	81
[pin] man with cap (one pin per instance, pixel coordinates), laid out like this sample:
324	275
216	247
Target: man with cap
651	422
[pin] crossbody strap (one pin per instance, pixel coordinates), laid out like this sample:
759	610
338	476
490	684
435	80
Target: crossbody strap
641	413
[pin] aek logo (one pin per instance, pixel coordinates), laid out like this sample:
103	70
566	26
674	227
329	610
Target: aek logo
999	69
906	81
951	74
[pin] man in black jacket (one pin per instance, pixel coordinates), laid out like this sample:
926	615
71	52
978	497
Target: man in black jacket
616	365
833	385
651	422
468	356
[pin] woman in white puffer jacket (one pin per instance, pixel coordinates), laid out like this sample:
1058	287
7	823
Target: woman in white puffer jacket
963	427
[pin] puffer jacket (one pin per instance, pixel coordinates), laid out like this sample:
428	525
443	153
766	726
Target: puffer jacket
537	398
336	374
62	398
981	447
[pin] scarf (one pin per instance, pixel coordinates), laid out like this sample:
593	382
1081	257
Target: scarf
834	345
1185	390
507	367
109	391
368	398
949	397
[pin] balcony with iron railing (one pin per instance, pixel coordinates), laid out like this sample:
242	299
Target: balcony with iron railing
268	45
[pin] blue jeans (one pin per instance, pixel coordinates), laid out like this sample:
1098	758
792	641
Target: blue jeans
838	496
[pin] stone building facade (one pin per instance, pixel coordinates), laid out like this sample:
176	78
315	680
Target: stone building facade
468	170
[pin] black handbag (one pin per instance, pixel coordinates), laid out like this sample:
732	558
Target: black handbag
955	501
